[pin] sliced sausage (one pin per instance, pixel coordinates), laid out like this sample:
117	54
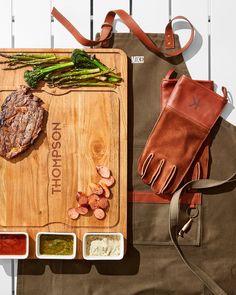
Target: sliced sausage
79	195
93	201
73	213
103	203
96	188
103	171
83	200
82	210
99	213
108	181
106	190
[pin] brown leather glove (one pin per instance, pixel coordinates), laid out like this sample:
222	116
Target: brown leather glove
184	123
199	167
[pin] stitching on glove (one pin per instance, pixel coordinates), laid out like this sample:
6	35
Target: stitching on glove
146	164
157	171
169	178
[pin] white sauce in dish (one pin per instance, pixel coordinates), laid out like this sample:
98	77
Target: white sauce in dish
103	245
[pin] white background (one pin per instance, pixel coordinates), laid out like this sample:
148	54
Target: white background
28	24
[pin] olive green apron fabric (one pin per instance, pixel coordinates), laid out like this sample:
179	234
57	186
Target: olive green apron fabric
143	109
152	265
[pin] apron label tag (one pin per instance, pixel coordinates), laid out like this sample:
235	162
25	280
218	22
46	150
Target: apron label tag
137	59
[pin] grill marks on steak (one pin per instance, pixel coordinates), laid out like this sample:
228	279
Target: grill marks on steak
21	120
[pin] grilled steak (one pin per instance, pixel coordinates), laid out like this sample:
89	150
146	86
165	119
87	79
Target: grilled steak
21	120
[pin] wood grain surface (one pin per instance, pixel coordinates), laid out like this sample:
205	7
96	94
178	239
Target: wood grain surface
82	128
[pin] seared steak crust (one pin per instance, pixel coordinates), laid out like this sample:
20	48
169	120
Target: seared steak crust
21	120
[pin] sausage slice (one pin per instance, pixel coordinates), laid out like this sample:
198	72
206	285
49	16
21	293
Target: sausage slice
103	171
108	181
99	213
106	190
96	189
103	203
73	213
93	201
82	210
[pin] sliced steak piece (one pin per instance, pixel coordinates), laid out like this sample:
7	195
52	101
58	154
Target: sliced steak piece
21	120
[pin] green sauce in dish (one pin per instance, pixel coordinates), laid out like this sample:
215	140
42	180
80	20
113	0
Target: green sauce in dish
56	245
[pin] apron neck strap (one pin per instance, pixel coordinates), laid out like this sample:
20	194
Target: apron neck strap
107	26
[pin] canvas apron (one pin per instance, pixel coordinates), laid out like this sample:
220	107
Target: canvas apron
152	265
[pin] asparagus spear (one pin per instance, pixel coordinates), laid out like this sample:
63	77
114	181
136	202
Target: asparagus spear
77	69
79	58
71	73
33	77
86	83
80	77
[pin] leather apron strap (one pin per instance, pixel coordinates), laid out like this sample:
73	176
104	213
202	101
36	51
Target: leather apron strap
173	227
107	26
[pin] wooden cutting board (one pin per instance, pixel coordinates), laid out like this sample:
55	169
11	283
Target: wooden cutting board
83	128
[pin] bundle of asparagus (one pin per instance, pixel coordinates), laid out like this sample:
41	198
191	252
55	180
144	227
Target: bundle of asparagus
81	69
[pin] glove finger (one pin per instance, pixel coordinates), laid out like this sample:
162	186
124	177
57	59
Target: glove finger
152	170
164	179
143	163
199	167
